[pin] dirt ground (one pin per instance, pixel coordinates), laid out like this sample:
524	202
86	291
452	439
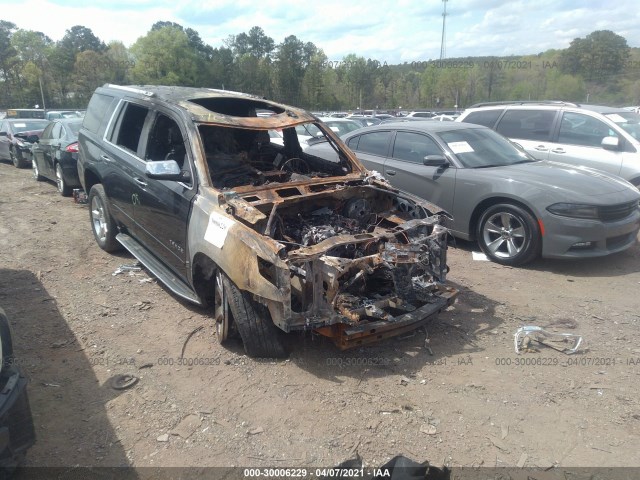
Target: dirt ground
472	402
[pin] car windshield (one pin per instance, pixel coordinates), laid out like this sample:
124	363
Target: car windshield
241	157
28	125
629	121
482	148
342	128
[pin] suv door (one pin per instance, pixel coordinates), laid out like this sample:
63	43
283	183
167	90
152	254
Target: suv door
162	207
531	128
579	142
122	165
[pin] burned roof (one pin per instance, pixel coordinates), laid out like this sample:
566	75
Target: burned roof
223	107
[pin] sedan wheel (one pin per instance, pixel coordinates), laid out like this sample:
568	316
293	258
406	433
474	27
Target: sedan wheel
15	159
36	171
509	235
62	186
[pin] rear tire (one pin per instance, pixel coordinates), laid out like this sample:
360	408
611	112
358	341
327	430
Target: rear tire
261	338
63	188
102	224
36	171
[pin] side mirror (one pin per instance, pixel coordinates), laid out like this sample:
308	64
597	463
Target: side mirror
439	161
166	170
611	143
33	139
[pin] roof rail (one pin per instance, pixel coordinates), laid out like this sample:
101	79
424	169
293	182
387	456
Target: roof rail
131	89
525	102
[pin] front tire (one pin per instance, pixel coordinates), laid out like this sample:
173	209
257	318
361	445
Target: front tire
63	188
261	338
102	224
16	159
508	234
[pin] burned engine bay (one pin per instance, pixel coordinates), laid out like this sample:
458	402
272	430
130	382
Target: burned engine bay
357	255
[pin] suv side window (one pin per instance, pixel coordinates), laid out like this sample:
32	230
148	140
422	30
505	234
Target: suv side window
413	147
527	124
486	118
126	133
165	141
375	143
579	129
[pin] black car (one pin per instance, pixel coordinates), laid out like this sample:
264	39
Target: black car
191	183
16	139
17	433
55	155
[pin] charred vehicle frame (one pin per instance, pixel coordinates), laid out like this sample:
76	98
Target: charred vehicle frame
272	238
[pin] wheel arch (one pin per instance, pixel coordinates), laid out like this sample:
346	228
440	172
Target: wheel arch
489	202
91	178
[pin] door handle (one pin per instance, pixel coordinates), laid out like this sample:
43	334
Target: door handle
390	172
105	158
559	150
541	148
140	181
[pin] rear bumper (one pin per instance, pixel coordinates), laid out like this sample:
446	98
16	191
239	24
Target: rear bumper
17	433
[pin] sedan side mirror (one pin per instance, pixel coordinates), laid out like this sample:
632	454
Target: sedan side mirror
610	143
439	161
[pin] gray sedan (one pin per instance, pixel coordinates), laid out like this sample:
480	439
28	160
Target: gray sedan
516	207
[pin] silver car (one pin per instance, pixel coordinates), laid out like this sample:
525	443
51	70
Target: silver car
605	138
515	206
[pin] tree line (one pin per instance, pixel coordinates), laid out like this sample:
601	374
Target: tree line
34	70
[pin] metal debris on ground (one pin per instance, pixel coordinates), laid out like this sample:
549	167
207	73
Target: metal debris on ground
122	382
134	267
80	196
562	342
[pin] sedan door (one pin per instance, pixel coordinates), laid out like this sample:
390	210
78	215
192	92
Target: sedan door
406	170
371	148
48	148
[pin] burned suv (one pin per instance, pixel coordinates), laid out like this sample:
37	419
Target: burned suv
191	182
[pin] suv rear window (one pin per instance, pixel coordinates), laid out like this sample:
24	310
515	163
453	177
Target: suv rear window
485	118
526	124
97	111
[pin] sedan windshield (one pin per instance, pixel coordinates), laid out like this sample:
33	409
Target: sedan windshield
482	148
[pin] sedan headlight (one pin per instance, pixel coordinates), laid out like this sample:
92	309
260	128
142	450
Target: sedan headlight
574	210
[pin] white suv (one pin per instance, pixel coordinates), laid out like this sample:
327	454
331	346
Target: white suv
604	138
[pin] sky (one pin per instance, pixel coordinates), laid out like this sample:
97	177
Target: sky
386	31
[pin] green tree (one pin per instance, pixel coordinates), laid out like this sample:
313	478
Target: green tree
165	57
597	56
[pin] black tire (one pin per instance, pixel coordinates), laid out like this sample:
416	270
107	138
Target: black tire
261	338
102	224
508	234
36	171
16	159
63	188
6	346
